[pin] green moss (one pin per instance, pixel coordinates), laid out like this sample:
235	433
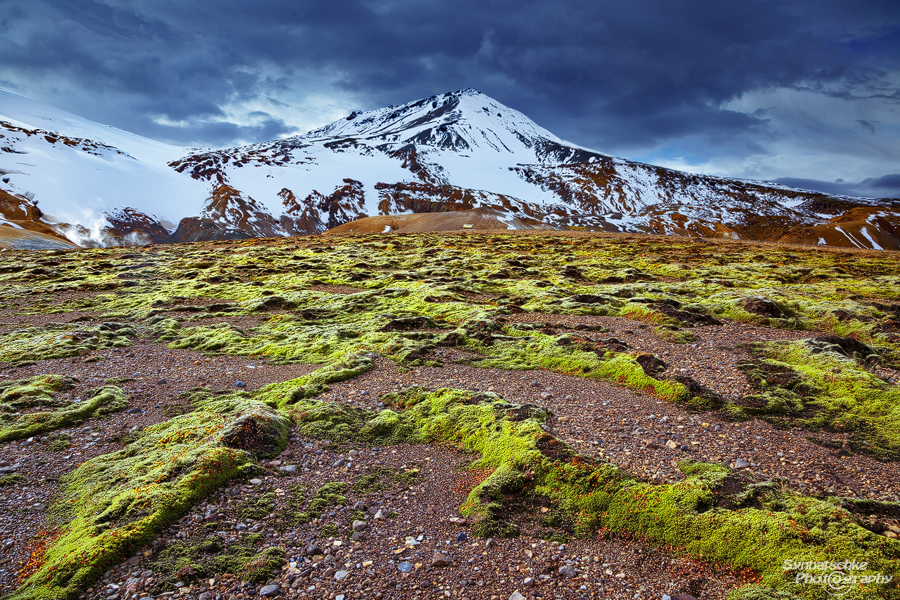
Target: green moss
58	443
379	476
258	508
330	494
252	539
102	401
414	296
212	556
61	341
760	592
367	483
798	382
756	527
330	530
114	504
11	479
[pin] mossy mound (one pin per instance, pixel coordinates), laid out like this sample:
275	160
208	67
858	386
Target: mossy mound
211	556
39	392
711	514
61	341
817	385
114	504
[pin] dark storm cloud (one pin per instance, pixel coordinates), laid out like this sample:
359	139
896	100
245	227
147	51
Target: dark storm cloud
611	75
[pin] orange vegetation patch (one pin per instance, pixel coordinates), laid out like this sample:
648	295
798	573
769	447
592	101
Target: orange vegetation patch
468	479
37	548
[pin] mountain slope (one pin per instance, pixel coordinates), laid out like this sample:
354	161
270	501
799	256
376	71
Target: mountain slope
78	171
455	151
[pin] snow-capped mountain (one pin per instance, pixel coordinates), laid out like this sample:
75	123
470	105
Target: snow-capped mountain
455	151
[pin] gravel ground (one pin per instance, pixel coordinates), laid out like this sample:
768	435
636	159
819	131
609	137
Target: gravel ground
639	433
395	555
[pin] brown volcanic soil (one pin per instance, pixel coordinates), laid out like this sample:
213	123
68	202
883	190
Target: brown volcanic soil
479	219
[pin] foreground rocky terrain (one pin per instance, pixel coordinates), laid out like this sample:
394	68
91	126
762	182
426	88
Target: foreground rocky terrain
475	415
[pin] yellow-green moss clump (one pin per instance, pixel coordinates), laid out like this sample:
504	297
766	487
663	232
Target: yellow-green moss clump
212	556
37	392
61	341
711	514
819	384
112	505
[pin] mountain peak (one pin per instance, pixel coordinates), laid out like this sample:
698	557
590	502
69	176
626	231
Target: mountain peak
464	120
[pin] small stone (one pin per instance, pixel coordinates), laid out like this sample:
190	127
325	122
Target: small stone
516	596
440	560
359	525
741	464
490	542
256	481
240	384
405	567
568	571
288	469
269	590
360	505
313	550
134	411
341	575
461	537
685	448
671	445
528	582
378	515
162	382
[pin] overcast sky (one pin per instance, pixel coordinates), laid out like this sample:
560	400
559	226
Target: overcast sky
806	93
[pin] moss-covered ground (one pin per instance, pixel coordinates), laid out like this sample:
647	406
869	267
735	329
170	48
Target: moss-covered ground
17	397
342	302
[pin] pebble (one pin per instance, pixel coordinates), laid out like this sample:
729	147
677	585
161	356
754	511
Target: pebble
341	575
359	525
269	590
516	596
240	384
568	571
440	560
741	464
256	481
405	567
461	537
